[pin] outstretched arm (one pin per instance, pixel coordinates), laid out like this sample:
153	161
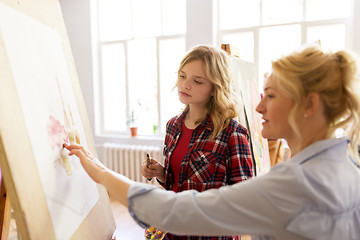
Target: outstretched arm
116	184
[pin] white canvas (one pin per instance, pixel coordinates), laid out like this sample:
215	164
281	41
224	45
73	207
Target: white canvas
50	111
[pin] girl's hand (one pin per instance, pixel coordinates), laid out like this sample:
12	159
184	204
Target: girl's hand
91	165
153	169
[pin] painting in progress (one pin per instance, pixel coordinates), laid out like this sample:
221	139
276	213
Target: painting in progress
51	115
244	74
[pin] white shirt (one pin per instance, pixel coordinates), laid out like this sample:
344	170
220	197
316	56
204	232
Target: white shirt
314	195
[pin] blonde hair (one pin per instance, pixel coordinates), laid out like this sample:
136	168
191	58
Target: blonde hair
223	104
334	76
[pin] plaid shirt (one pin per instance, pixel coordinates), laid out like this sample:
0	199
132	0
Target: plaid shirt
213	163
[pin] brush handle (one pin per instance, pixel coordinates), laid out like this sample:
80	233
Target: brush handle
148	163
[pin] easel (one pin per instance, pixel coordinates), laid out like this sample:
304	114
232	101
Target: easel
244	74
233	51
5	211
17	159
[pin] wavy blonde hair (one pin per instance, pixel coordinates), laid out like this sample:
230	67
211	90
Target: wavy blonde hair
223	105
334	76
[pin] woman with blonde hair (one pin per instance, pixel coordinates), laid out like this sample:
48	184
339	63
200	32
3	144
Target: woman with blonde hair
313	195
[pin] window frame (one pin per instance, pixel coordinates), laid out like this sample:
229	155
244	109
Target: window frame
304	25
122	136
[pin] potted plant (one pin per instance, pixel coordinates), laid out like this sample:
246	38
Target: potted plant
132	124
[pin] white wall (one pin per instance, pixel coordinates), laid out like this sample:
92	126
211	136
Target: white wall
77	20
200	23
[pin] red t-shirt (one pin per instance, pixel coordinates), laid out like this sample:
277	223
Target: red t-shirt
179	153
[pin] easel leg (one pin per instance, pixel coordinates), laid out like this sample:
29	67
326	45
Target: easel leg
5	212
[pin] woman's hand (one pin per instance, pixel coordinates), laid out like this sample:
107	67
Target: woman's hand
116	184
153	168
91	165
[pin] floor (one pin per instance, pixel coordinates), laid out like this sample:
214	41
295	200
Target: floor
126	227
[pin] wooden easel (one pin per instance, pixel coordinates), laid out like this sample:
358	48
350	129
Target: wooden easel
17	160
5	212
231	50
245	75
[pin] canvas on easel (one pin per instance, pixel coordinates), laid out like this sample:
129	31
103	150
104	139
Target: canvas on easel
246	85
41	107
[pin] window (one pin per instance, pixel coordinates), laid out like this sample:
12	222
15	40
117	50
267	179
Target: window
264	30
140	45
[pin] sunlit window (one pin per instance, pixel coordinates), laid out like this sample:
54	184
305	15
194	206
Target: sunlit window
275	40
327	9
281	11
244	42
141	43
113	86
239	13
331	36
268	29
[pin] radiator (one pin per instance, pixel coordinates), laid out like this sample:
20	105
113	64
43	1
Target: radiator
127	159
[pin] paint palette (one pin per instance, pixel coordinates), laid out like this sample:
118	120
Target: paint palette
153	233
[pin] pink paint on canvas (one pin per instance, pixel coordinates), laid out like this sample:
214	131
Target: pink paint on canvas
56	133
